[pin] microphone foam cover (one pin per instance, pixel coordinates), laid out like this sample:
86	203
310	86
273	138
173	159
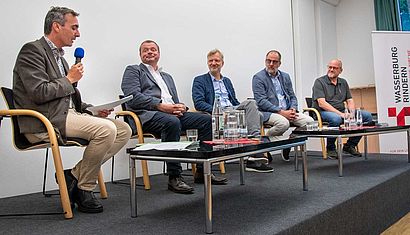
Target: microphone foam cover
79	52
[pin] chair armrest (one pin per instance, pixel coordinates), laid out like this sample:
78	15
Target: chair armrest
27	112
319	118
137	121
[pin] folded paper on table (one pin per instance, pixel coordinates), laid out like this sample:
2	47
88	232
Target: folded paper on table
164	145
108	106
238	141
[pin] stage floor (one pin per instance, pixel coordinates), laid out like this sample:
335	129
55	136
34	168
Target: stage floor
372	195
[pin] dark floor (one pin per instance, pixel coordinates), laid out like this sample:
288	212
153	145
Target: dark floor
268	203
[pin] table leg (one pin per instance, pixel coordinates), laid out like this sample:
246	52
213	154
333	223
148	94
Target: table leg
304	168
365	147
133	188
208	196
297	158
340	155
241	170
408	145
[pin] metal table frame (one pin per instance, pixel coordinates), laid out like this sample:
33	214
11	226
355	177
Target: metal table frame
207	163
339	134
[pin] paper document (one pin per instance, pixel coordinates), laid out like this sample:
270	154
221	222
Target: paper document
108	106
164	146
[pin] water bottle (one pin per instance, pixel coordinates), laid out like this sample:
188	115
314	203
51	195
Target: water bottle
359	118
346	119
217	119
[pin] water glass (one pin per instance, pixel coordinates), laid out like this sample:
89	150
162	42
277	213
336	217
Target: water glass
192	135
243	130
312	126
231	131
359	118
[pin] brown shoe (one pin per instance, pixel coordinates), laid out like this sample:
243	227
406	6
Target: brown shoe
177	185
216	180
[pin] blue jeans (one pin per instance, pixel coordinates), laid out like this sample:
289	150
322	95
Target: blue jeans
335	120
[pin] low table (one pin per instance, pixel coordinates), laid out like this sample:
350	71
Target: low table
207	154
340	133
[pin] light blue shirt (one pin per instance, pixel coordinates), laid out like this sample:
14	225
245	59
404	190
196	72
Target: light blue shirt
220	89
283	104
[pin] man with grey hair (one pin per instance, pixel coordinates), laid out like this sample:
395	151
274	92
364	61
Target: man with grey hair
43	81
204	89
330	93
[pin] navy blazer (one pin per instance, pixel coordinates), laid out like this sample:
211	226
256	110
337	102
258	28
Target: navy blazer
138	81
203	93
265	94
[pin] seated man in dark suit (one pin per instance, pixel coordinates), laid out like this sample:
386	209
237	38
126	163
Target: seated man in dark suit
157	104
204	89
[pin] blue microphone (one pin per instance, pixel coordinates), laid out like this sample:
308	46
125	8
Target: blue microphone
78	54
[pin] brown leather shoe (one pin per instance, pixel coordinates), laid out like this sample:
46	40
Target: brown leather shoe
177	185
199	179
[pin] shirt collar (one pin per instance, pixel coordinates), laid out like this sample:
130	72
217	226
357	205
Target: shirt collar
328	81
58	52
271	76
150	68
214	79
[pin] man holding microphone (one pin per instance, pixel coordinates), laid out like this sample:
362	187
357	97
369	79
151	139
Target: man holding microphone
43	81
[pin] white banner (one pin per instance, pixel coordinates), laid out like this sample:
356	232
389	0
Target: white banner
391	53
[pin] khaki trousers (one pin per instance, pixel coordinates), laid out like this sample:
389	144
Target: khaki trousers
280	124
106	137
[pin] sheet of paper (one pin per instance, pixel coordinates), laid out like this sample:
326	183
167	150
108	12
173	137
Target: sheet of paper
164	146
109	105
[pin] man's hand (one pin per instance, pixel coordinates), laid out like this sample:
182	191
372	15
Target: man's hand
104	113
289	114
75	73
174	109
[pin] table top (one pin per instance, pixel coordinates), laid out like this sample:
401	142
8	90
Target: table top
357	130
203	150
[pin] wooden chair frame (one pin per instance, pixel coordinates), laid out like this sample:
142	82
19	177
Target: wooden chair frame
53	144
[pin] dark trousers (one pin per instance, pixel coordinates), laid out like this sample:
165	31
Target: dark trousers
169	127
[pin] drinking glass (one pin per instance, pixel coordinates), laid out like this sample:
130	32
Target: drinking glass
243	131
231	131
359	118
192	135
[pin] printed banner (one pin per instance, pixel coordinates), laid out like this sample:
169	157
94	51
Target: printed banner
391	53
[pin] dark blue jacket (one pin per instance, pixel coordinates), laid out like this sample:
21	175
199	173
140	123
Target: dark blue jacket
203	93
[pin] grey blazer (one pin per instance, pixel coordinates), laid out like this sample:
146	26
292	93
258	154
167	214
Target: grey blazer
39	85
265	94
138	81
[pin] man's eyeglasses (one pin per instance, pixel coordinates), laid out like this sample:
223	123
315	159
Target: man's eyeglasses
333	67
268	61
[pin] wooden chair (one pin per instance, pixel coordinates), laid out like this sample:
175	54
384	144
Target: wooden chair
21	143
314	113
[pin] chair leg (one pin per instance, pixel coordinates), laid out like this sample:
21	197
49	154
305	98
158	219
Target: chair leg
45	194
101	183
324	153
145	175
222	167
193	168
